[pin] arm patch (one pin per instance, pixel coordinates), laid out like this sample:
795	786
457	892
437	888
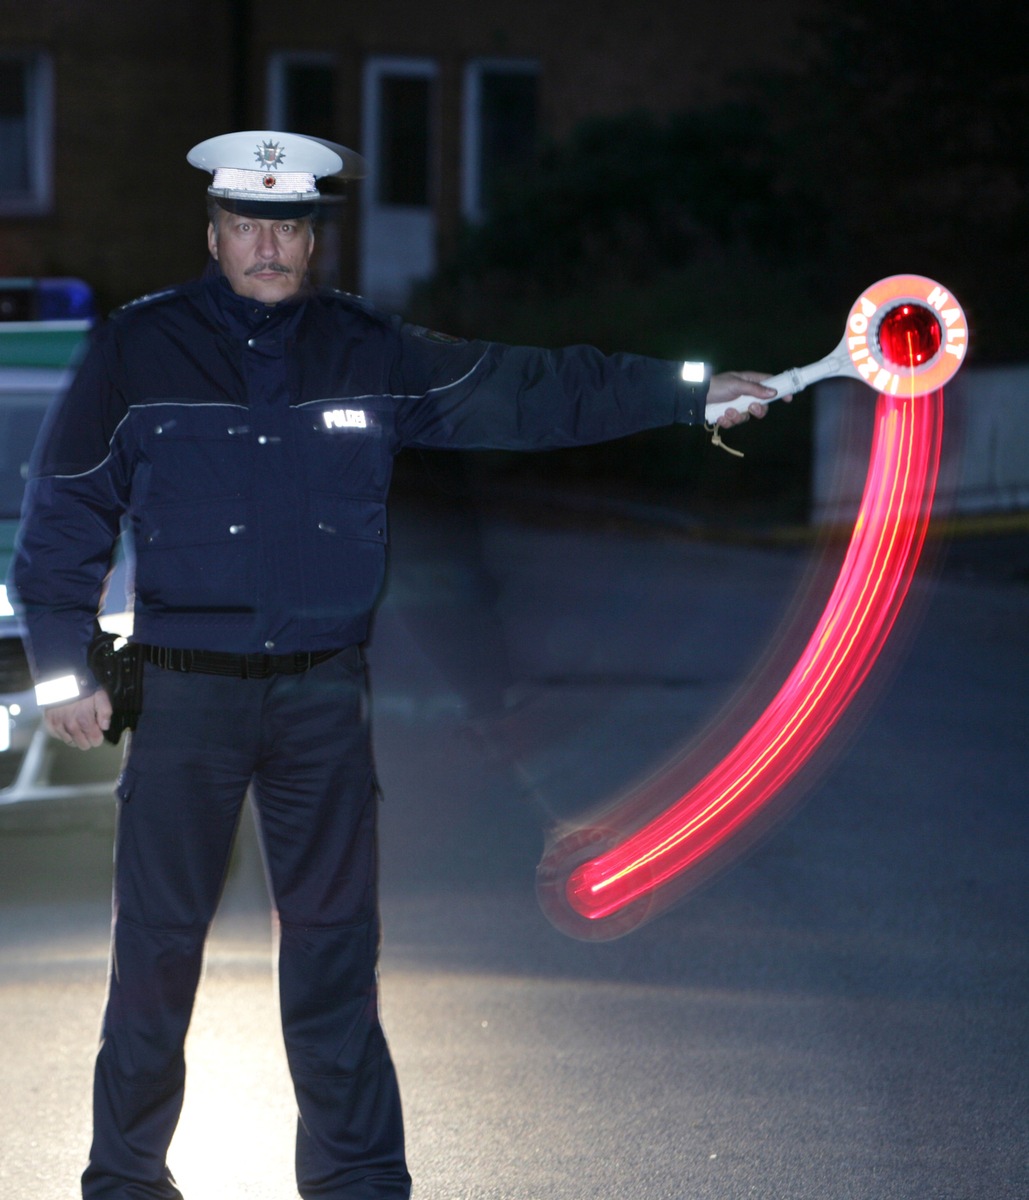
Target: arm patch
433	335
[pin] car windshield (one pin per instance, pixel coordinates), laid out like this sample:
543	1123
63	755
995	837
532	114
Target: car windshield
20	419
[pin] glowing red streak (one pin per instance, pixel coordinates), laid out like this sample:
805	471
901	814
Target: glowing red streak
873	581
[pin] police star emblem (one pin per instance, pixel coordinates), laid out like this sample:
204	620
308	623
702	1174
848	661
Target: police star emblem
270	154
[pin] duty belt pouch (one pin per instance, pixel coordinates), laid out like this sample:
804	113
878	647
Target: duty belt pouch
119	670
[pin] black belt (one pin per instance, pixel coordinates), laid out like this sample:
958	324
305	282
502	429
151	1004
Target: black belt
239	666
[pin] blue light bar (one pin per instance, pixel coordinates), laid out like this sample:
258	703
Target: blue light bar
46	300
64	300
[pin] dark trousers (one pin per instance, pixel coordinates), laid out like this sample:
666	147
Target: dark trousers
302	743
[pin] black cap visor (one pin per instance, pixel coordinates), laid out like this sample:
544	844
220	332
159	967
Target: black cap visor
267	210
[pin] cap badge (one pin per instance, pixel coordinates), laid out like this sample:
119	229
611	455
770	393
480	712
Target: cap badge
270	154
269	181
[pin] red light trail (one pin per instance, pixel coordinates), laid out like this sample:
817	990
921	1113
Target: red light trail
619	885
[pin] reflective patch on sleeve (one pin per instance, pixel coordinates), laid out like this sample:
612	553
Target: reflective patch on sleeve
57	691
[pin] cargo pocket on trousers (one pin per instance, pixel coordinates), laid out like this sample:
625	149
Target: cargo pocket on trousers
125	786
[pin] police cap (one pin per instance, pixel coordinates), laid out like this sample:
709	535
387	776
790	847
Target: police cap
265	173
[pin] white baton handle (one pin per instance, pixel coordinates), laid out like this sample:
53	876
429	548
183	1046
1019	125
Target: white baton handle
788	383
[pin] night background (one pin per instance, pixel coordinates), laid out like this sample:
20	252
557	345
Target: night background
840	1013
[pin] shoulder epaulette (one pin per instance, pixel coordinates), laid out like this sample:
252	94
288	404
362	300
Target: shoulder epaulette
147	300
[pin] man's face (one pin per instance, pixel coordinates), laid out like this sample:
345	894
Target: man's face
265	260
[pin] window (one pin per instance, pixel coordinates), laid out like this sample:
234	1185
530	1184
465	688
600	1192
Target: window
26	134
398	199
302	94
403	147
501	123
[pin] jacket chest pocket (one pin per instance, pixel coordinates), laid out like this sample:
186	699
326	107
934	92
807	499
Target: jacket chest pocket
196	556
207	450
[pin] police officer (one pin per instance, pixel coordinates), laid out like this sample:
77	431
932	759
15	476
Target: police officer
244	427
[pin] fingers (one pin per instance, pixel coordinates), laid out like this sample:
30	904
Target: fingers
729	387
80	723
733	416
749	383
743	386
757	377
104	710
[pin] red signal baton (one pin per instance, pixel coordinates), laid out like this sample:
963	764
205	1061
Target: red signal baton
906	337
903	333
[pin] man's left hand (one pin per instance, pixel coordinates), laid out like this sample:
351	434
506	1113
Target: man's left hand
731	385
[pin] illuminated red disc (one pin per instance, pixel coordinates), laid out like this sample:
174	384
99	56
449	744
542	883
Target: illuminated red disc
906	335
910	336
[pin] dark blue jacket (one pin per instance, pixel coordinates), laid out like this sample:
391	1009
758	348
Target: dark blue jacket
251	448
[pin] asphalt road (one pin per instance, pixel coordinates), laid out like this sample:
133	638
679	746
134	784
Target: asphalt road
841	1014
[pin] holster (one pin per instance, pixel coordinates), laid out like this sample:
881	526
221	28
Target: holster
119	671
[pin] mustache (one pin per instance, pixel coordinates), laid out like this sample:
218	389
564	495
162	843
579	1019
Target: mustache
281	268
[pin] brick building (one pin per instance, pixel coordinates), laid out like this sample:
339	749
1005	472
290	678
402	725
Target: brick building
101	99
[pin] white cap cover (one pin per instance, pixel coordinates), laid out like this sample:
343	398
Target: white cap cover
265	171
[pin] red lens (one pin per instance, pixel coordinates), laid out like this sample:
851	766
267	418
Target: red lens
909	336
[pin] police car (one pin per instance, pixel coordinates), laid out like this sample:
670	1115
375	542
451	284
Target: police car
43	324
